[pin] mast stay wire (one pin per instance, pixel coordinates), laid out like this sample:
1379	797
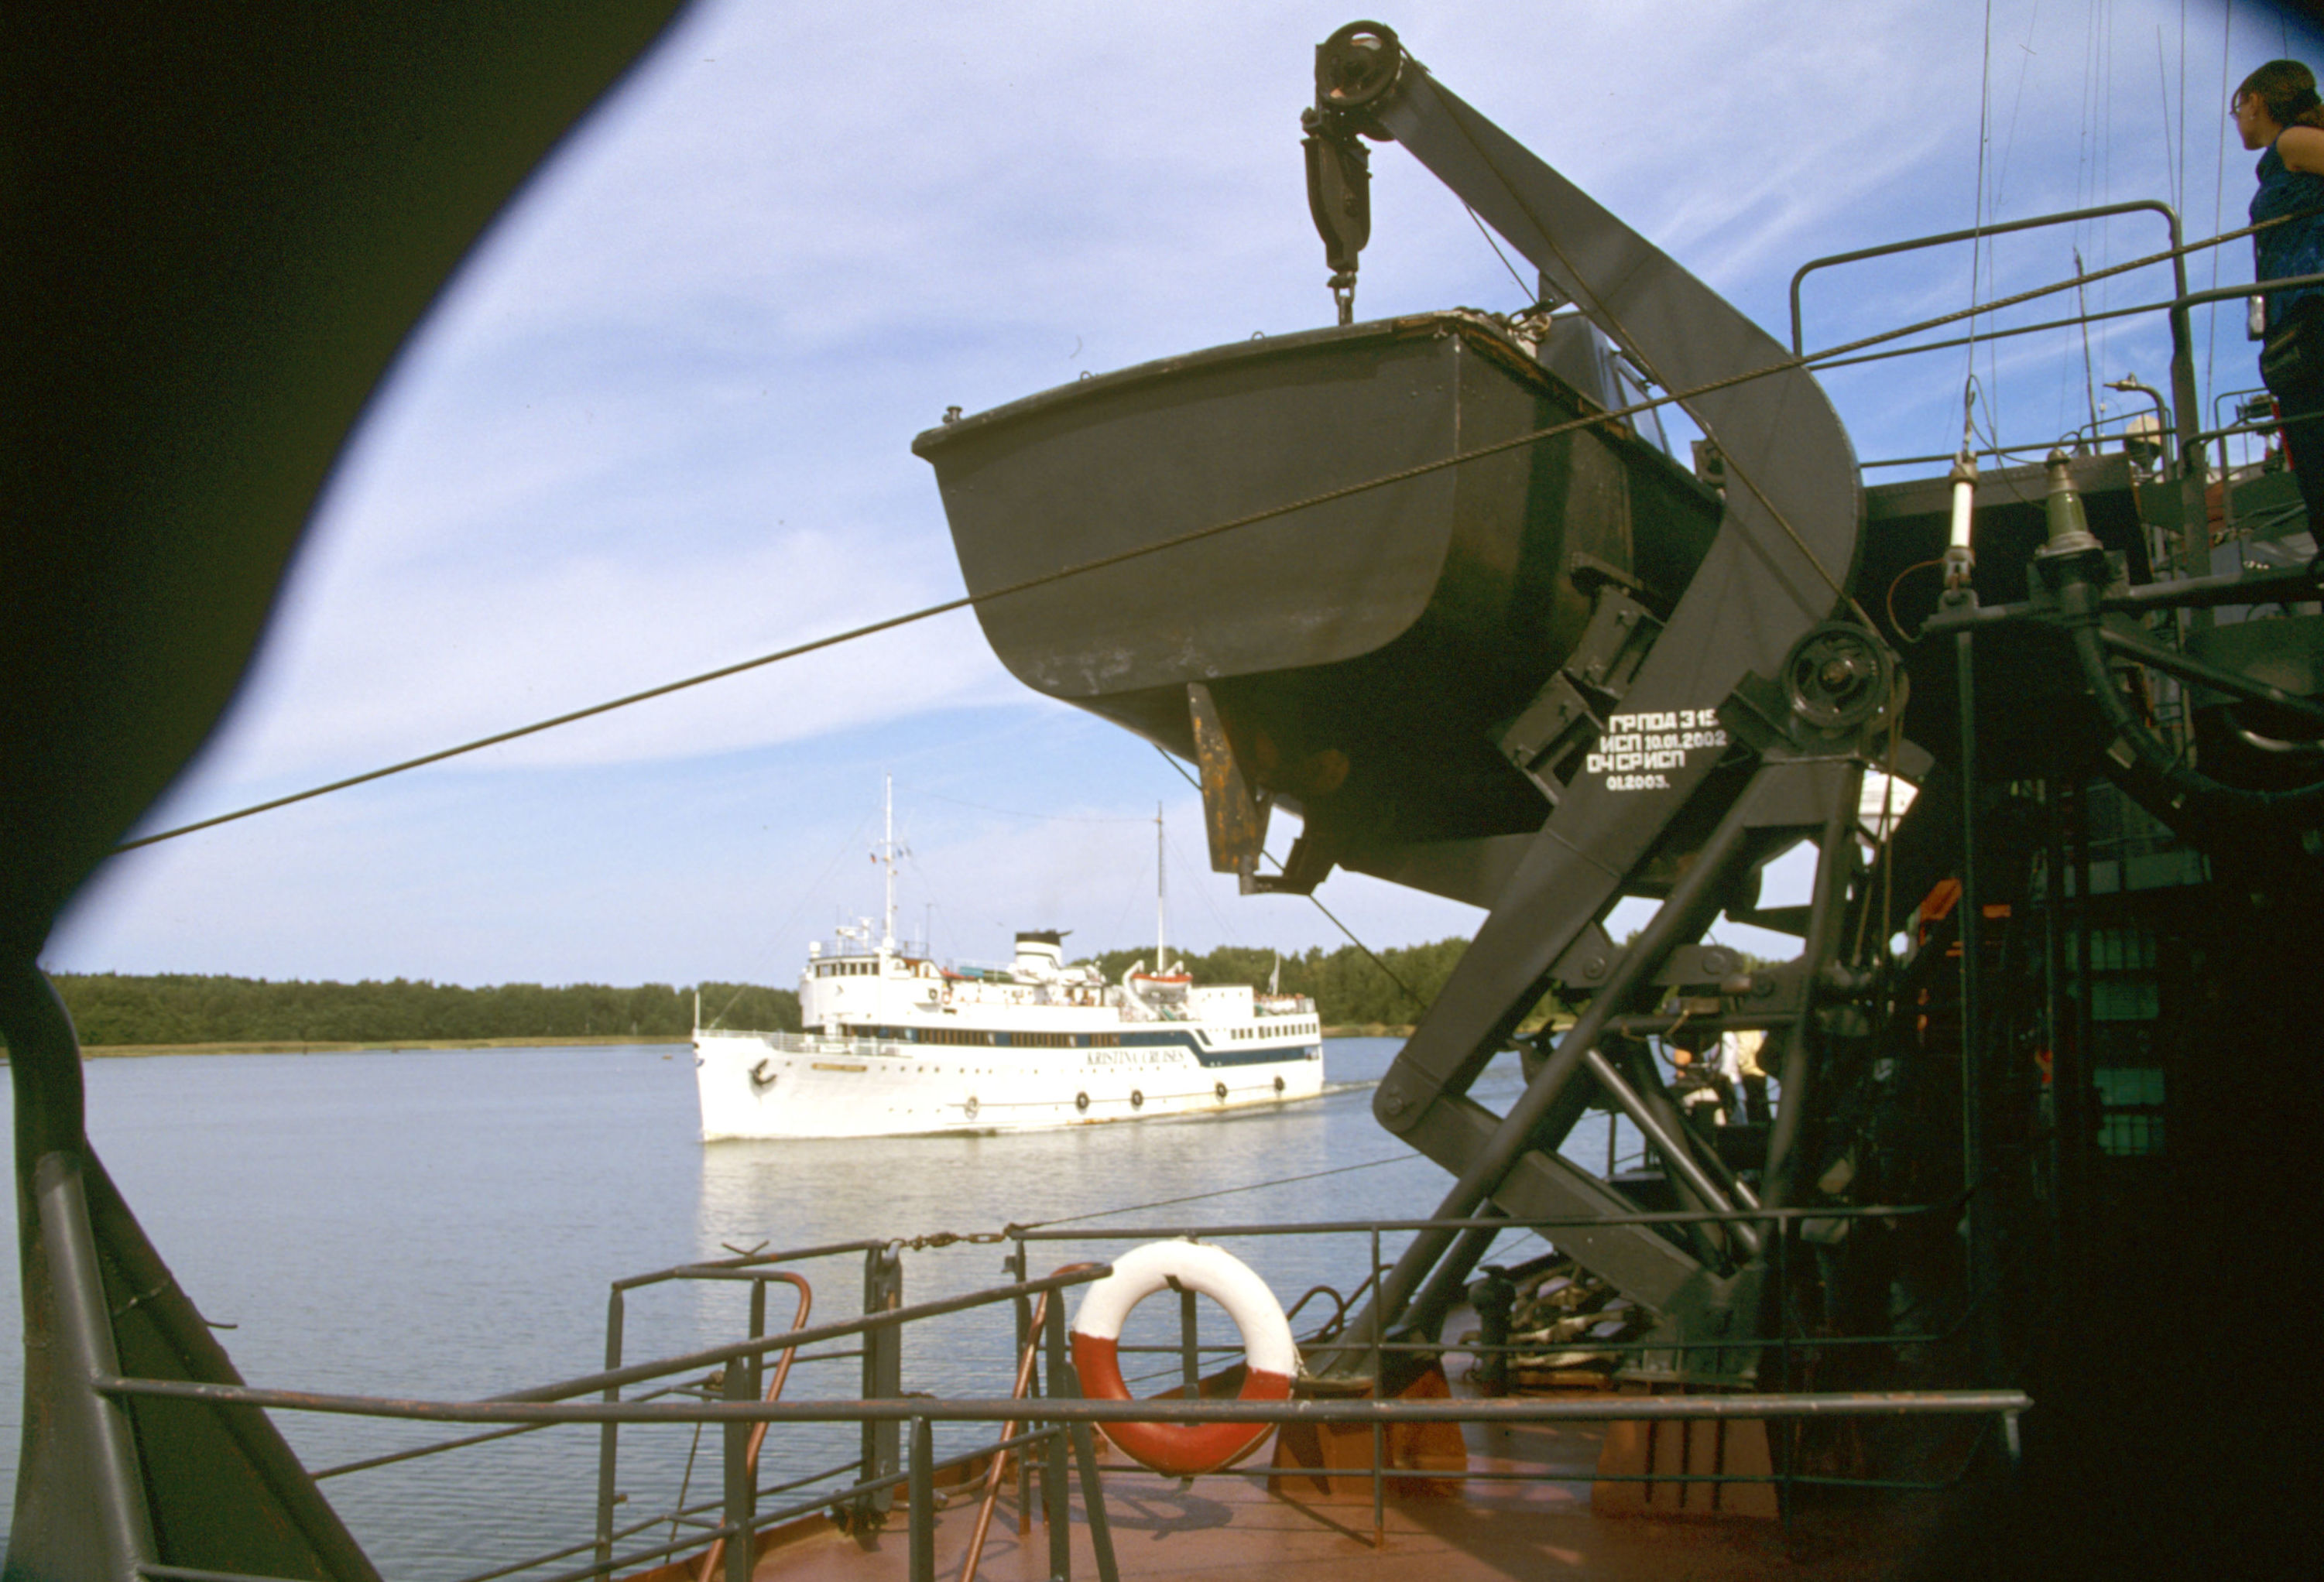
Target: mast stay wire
806	895
1984	137
1255	1186
2177	153
1533	293
1808	360
2218	205
2108	10
1620	333
1202	893
2016	103
1370	954
1053	818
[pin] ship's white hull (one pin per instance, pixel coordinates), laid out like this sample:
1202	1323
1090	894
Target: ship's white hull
810	1085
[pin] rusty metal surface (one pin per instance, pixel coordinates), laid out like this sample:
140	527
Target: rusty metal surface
1540	1525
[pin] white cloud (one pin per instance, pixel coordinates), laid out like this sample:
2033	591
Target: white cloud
662	422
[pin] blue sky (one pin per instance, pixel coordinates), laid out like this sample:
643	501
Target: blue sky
661	421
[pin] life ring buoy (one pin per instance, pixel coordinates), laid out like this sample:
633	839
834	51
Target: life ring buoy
1270	1357
1081	1101
1220	1088
1137	1099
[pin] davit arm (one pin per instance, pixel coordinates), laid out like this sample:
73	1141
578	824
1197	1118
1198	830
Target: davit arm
1750	710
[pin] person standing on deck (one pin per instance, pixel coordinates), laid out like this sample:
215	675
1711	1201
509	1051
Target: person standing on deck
1738	1064
2277	109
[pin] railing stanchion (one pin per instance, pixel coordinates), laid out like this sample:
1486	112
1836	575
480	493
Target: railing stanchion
922	1495
1056	1514
1027	1346
1379	1438
1785	1494
758	1329
1190	1360
883	1373
741	1548
1101	1528
608	1439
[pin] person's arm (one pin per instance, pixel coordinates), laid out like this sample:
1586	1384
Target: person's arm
2303	149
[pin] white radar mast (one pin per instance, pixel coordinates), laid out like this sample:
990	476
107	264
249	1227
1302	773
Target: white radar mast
886	856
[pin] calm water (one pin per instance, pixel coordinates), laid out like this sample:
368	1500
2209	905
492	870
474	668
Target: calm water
445	1224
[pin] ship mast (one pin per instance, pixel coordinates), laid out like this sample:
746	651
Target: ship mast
887	861
1161	896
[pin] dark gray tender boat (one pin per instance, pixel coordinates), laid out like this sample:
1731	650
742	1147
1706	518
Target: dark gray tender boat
1360	650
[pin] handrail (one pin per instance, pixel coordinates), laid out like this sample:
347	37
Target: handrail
1832	1403
2254	289
774	1392
2184	397
1021	1422
1998	228
687	1362
1088	1232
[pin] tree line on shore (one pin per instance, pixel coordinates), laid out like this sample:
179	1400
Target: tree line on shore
1350	987
116	1008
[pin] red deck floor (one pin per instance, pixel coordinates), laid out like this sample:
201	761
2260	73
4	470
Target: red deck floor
1542	1527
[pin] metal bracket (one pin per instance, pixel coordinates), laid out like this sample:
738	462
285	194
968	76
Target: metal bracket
1569	711
1586	962
1234	815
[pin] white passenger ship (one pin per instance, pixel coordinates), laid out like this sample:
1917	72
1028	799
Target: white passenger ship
897	1043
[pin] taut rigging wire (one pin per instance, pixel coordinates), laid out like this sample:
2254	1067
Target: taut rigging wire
2218	204
1385	970
1669	398
1984	136
1222	1192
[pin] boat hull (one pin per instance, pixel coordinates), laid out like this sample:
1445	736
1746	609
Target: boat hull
808	1085
1362	650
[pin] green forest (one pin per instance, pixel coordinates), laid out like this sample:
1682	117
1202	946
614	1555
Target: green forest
111	1008
1349	986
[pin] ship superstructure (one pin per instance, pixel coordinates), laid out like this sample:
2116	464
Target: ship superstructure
895	1042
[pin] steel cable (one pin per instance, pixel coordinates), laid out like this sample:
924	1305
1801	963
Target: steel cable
1422	469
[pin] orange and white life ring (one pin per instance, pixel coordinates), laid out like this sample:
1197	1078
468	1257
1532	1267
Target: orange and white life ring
1269	1357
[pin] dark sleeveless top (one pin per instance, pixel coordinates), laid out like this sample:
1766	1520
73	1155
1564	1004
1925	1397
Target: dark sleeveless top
2296	247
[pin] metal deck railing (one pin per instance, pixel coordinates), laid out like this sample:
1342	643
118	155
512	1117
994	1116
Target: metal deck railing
1046	1422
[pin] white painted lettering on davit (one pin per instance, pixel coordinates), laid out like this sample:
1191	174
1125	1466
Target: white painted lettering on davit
1639	750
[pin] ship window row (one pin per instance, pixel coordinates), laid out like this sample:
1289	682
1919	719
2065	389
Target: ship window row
846	969
963	1036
